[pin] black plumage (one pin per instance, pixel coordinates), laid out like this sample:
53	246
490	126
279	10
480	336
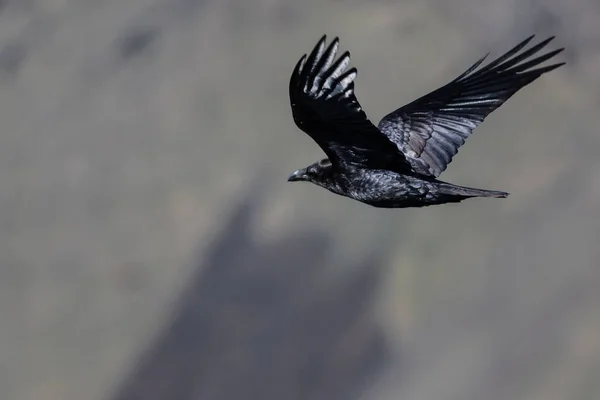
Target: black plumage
396	164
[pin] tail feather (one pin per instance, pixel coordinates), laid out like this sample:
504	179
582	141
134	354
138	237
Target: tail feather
454	190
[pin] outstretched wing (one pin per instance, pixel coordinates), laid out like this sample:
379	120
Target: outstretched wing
430	130
324	106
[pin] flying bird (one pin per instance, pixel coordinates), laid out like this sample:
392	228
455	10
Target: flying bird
396	163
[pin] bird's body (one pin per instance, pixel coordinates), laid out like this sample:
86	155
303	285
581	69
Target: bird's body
388	189
396	164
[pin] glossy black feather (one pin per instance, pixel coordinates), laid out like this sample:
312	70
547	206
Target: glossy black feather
325	107
395	165
430	130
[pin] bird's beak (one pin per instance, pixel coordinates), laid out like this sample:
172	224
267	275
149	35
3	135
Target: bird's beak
298	175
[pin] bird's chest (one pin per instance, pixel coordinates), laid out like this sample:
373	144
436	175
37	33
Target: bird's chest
372	186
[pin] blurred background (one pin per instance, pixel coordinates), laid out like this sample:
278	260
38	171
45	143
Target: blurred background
151	247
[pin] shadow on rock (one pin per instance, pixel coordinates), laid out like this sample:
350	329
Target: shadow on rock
259	321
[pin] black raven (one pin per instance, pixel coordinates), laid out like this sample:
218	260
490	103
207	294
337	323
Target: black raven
395	164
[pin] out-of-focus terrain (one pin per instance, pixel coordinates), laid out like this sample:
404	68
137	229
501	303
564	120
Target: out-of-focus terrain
151	248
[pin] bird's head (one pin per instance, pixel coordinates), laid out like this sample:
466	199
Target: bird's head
317	173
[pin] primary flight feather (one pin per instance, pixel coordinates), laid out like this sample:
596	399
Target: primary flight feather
396	164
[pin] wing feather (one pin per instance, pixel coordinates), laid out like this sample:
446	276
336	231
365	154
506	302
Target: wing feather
430	130
325	107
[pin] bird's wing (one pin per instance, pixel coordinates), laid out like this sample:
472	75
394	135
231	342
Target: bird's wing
325	107
430	130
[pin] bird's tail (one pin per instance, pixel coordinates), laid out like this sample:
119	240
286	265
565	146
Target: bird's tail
465	192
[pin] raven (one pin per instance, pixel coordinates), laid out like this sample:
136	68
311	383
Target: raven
396	164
